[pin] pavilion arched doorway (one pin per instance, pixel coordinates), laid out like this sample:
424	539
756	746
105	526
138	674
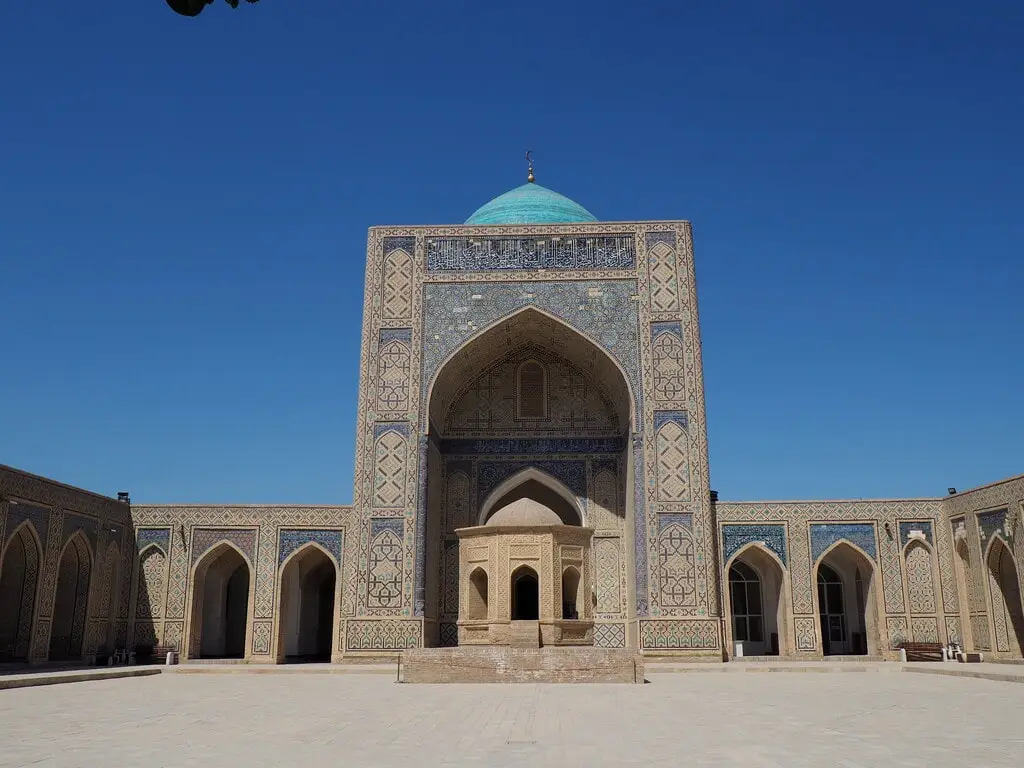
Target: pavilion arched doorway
525	595
19	577
220	607
70	604
1007	611
308	592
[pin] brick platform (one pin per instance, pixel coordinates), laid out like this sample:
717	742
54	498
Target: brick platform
501	664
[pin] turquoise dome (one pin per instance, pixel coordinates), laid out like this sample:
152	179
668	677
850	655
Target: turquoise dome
530	204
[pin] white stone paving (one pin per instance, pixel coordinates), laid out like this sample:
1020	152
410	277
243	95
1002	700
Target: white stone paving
759	721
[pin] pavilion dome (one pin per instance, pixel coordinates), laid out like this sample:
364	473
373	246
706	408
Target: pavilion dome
524	511
530	204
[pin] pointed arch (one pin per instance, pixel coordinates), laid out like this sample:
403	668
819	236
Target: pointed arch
584	355
852	628
20	560
523	476
71	600
775	610
221	602
1004	597
308	589
920	576
149	590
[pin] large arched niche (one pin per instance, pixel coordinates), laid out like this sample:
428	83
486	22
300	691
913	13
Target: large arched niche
485	425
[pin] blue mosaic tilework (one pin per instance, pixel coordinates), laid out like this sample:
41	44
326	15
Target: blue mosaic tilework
290	539
640	527
492	447
664	521
572	472
990	523
395	334
159	536
663	417
653	238
452	315
824	535
39	517
925	526
735	537
599	465
419	602
394	524
381	427
486	254
406	243
670	327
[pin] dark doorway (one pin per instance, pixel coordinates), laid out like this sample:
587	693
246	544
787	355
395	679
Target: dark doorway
70	602
307	607
221	608
525	596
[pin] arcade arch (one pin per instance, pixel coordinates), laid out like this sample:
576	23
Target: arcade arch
1005	598
220	604
308	596
19	579
71	602
758	602
846	599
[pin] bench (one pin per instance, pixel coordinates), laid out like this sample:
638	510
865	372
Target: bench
923	651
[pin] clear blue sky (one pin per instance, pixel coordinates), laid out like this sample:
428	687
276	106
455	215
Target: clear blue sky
184	206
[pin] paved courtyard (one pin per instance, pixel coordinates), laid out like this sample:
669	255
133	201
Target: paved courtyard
754	720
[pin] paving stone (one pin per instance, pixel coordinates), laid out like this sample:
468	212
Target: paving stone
758	721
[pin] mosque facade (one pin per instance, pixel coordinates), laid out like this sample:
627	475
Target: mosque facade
531	446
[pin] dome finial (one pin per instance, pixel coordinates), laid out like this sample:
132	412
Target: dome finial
529	160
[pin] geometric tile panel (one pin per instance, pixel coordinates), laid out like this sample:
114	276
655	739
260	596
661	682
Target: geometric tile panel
571	472
805	638
243	538
609	636
87	525
679	634
824	535
159	536
898	631
953	632
925	526
382	634
39	516
925	629
736	536
290	539
990	523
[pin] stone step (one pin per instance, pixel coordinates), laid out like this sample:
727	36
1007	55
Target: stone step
524	634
